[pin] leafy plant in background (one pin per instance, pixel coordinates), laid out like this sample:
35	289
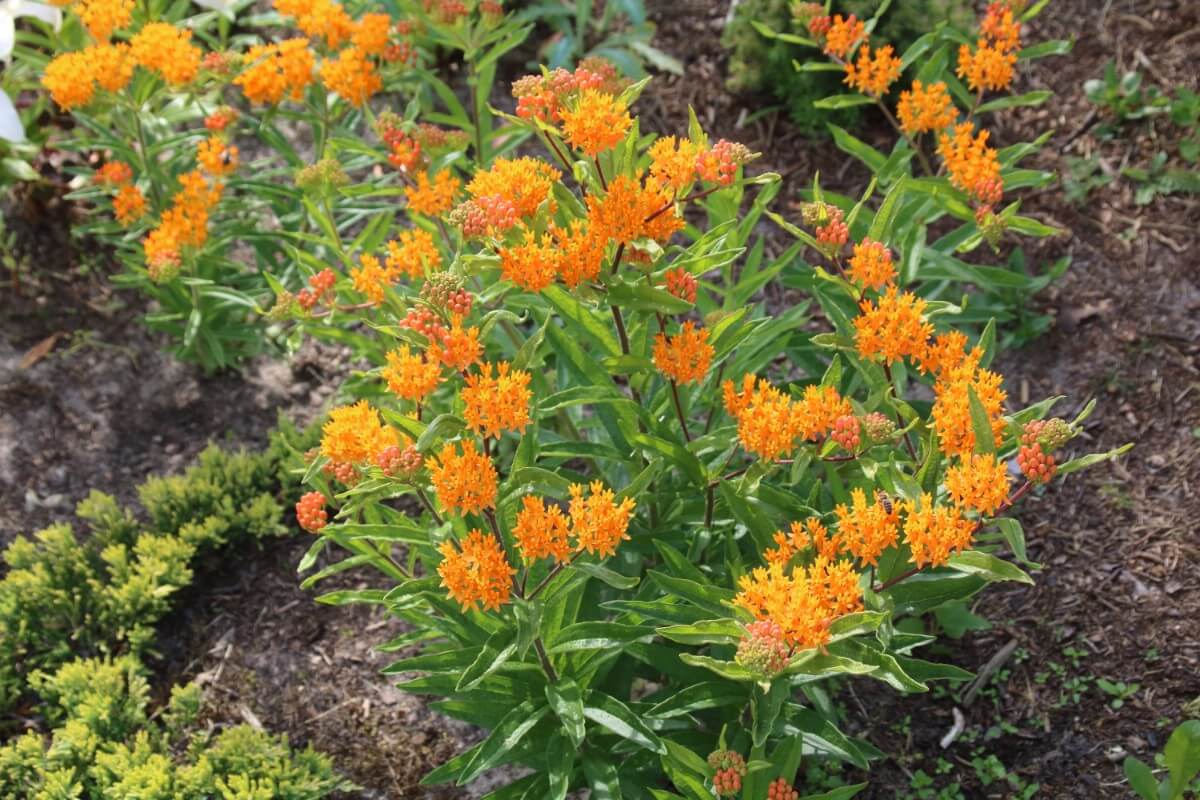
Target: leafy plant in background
636	541
1180	758
960	199
619	32
765	51
20	139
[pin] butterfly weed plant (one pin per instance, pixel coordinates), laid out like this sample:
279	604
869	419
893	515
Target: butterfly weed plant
641	524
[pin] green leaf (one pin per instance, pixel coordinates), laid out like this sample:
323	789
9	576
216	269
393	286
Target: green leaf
925	592
1141	779
981	424
606	575
726	669
882	223
610	713
598	636
500	647
560	762
567	702
842	101
699	697
988	567
856	147
1083	462
840	793
708	597
1056	47
643	297
712	631
1182	756
602	777
506	736
1016	101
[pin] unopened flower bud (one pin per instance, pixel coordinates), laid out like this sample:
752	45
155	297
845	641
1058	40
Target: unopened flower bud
310	511
762	649
1036	464
878	427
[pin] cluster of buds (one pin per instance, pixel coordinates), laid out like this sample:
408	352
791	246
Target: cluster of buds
878	427
164	267
399	463
680	283
285	303
720	163
728	770
113	174
404	151
319	285
221	62
220	119
322	177
310	511
829	224
780	789
991	225
1039	440
543	97
484	216
446	11
343	472
444	290
425	322
847	432
762	649
805	13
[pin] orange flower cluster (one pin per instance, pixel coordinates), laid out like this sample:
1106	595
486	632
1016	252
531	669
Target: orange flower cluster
355	435
532	265
435	197
680	283
871	265
673	162
801	537
113	173
276	71
684	357
873	74
632	209
371	33
412	254
525	182
545	97
161	47
71	78
952	406
974	167
595	122
925	108
866	530
598	522
933	534
802	602
319	19
217	158
129	204
465	482
496	399
411	376
352	76
457	347
841	35
892	327
183	225
103	17
989	67
478	573
978	482
719	164
770	422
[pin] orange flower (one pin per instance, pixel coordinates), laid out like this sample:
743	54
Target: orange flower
803	602
496	403
818	538
113	173
767	423
479	573
68	79
435	197
458	348
598	521
579	251
871	265
372	33
979	482
1000	26
352	76
621	215
216	157
276	71
948	352
933	534
129	205
161	47
814	414
185	224
681	283
673	163
864	530
525	182
355	434
952	408
370	278
531	265
987	68
410	375
873	75
893	327
684	357
925	108
843	35
103	17
541	531
719	164
412	254
319	18
597	122
973	166
466	482
111	65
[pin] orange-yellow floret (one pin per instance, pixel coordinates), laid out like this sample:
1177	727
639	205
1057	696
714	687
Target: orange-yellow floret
411	375
866	530
525	182
596	122
542	531
352	76
435	197
934	534
276	71
496	399
925	108
161	47
871	265
598	521
874	72
355	434
478	573
978	482
465	482
684	357
892	327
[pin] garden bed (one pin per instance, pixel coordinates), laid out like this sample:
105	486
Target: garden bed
1119	601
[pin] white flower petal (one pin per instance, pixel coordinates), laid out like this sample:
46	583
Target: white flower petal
7	34
51	15
10	122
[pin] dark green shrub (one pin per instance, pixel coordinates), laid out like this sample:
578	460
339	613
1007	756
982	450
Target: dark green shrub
766	65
